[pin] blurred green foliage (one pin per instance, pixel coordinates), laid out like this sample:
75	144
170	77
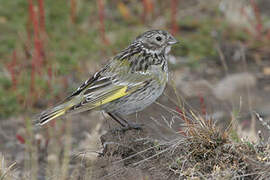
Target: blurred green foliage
69	47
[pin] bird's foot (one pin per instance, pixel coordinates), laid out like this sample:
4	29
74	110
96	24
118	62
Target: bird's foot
135	126
129	126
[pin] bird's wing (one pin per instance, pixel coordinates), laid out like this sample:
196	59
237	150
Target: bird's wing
87	83
115	82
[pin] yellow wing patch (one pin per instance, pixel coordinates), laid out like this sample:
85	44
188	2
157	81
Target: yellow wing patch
118	94
54	113
58	113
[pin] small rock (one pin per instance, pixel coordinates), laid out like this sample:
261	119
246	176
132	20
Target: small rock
195	88
266	71
52	158
232	84
3	19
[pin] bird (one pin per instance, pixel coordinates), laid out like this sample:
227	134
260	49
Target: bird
128	83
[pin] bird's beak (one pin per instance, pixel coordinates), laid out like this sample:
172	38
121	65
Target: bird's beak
172	40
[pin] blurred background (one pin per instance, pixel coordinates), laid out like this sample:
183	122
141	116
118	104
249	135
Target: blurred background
221	69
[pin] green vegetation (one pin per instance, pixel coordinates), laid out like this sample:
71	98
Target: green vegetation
70	47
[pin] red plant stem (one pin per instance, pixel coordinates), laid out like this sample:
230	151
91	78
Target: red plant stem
30	17
73	5
182	132
35	60
147	8
42	29
12	70
20	139
144	10
259	24
37	20
174	27
38	57
202	104
14	77
50	74
41	15
32	86
101	21
30	9
182	115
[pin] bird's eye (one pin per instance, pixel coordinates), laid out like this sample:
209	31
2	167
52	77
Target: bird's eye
158	38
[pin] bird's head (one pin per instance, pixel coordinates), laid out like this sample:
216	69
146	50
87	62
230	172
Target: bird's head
156	41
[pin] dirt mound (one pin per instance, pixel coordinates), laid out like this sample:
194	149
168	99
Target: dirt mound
202	152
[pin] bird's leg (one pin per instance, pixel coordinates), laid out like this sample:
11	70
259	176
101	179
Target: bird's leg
129	125
124	123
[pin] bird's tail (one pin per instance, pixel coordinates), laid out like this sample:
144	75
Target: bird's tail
53	113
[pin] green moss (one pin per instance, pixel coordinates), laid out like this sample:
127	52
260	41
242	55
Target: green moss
8	103
5	82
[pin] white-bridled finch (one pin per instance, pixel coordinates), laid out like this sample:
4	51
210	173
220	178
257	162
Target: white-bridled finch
131	81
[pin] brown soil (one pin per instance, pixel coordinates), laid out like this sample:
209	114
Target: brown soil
133	155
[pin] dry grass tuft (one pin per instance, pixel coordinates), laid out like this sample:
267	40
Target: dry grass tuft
204	152
6	171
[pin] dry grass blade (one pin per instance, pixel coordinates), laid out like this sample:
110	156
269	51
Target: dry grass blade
205	151
145	150
4	171
264	123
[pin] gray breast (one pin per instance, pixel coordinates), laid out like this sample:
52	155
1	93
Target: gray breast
144	97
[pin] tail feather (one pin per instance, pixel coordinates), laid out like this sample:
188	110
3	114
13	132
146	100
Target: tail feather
87	102
53	113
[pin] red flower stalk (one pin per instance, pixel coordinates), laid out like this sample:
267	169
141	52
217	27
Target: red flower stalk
101	21
20	139
30	17
41	15
259	24
182	115
73	6
174	26
202	104
38	55
147	8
